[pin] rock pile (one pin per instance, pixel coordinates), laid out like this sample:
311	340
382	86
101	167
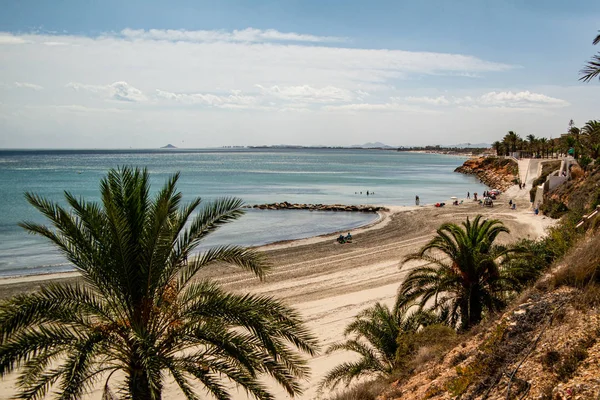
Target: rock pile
490	174
317	207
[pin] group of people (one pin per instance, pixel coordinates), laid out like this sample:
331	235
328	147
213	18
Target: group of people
345	239
368	193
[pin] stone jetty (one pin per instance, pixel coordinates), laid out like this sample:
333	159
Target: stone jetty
317	207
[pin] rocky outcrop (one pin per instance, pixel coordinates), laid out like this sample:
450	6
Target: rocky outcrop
497	173
318	207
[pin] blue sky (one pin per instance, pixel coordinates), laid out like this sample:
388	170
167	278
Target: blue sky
143	73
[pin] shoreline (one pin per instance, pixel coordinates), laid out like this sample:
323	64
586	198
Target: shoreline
384	217
48	276
329	283
382	214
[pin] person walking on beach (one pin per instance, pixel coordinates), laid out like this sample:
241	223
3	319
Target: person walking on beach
468	195
417	200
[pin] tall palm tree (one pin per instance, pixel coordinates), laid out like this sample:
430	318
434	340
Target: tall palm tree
531	139
592	130
544	146
374	338
464	274
511	138
592	68
141	310
498	147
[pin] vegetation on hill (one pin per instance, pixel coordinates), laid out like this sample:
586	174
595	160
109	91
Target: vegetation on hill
546	343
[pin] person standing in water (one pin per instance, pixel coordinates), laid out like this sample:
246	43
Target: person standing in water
417	200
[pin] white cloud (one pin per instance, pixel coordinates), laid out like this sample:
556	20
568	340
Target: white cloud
244	35
120	91
308	93
7	38
55	43
520	99
317	89
508	99
27	85
395	107
234	100
435	101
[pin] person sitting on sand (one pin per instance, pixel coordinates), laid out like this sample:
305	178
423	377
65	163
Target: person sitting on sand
340	239
348	237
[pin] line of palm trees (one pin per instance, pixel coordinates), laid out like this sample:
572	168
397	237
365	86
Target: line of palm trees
581	142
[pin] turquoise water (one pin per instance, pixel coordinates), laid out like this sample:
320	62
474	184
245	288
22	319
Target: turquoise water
324	176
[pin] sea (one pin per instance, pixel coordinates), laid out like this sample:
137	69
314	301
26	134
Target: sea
256	175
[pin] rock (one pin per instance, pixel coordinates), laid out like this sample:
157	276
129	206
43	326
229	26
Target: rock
318	207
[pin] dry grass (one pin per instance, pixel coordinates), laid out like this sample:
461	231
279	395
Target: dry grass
370	390
581	266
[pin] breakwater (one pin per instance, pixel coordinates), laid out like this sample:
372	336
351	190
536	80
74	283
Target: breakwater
318	207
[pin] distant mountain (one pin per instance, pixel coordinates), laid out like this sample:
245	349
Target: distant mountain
469	146
169	146
373	145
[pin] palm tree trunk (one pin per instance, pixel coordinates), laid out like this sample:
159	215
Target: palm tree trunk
139	384
475	308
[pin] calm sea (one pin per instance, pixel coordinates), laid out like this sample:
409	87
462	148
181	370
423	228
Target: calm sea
324	176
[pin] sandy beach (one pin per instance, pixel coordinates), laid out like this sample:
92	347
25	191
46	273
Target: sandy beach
329	283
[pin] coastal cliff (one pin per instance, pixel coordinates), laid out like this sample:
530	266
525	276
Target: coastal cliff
497	173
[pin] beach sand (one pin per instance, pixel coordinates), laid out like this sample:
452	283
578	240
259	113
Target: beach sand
329	283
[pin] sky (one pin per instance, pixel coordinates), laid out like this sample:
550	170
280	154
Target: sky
141	74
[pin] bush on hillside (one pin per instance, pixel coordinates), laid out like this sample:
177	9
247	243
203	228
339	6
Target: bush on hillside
436	338
533	260
561	237
581	266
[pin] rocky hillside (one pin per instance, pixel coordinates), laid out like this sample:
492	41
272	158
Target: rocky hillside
497	173
545	346
580	193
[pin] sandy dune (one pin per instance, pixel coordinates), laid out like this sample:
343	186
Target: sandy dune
330	283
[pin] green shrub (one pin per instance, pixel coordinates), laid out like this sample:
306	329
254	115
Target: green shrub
584	162
554	208
561	237
531	263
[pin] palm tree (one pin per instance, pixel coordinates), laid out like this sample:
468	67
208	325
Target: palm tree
498	147
544	146
375	333
592	68
464	274
141	310
592	130
511	138
531	139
